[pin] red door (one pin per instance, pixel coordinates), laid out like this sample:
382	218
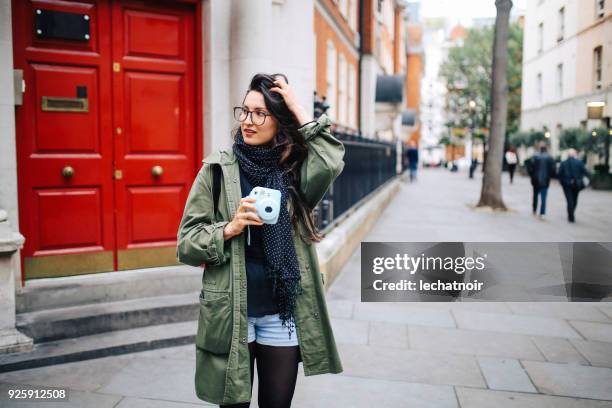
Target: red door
153	109
106	135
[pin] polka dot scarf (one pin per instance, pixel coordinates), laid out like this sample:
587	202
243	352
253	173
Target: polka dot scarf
260	166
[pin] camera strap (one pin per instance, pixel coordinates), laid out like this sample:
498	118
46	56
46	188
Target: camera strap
216	189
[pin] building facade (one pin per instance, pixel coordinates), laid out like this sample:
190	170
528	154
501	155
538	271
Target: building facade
104	130
567	63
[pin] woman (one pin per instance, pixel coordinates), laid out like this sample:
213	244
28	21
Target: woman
262	295
512	160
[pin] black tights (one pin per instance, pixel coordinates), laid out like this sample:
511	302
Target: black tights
277	369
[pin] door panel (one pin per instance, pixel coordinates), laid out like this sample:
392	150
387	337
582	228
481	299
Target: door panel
64	158
106	134
57	208
154	108
78	122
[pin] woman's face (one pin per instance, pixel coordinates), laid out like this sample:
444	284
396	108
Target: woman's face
257	134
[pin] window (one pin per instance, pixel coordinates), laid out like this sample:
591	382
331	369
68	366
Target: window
561	32
539	87
560	81
331	79
342	4
342	95
600	8
597	67
352	10
314	59
540	38
352	102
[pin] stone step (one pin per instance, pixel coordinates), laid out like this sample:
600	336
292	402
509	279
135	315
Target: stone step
101	345
84	320
52	293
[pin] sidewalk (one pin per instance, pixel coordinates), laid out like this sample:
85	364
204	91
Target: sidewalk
471	354
467	355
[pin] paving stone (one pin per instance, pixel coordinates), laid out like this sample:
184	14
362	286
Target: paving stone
76	399
347	391
607	310
558	350
340	308
598	353
475	398
129	402
393	363
594	331
504	323
388	334
505	374
482	343
350	331
398	313
163	379
87	375
469	305
561	310
571	380
186	352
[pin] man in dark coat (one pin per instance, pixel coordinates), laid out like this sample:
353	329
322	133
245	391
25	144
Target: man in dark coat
541	169
571	174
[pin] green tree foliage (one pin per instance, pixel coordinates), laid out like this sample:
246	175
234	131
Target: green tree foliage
576	138
519	138
467	72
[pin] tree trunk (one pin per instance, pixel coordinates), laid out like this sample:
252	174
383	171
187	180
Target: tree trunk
490	195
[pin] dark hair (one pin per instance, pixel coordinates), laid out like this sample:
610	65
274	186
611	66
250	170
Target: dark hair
543	148
295	150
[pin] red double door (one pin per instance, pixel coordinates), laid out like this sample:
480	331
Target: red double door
106	134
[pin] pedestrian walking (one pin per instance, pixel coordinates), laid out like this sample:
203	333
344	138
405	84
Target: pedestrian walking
473	166
571	176
413	159
541	169
262	295
512	161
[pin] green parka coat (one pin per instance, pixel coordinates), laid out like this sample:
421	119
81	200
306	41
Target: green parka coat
222	356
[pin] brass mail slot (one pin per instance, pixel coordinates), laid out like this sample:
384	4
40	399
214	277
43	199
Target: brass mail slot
60	104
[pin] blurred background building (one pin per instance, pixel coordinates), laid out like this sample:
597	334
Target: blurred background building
567	64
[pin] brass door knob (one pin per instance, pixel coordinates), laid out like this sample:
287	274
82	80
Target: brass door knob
157	170
67	172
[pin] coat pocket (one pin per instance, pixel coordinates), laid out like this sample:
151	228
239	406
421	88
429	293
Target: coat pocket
215	322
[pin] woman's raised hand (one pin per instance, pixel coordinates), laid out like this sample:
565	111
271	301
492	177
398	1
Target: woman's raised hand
245	215
286	91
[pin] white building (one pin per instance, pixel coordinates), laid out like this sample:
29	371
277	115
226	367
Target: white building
433	88
567	62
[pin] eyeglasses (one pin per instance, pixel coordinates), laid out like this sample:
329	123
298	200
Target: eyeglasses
257	117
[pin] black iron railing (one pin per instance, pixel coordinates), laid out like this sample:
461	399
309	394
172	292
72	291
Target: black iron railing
368	165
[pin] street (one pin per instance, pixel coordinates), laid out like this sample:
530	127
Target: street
405	354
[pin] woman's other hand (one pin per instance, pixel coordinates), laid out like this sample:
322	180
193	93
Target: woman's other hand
245	215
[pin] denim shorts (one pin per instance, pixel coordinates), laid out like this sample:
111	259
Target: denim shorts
269	330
